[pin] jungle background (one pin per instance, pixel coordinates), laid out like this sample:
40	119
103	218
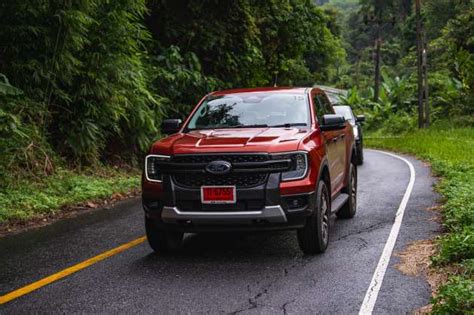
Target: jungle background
85	84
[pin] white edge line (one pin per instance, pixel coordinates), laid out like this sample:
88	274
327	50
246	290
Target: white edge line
372	292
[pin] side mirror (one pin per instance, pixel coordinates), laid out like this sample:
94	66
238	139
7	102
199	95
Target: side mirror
170	126
360	118
332	122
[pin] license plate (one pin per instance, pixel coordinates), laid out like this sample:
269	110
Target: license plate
218	194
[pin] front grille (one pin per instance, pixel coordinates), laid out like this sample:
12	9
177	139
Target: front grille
240	180
249	170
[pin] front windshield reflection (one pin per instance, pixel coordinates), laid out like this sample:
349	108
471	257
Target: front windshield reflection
248	110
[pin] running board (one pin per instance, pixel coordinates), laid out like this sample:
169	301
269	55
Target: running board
339	202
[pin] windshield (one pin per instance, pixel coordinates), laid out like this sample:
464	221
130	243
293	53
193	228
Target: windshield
345	111
247	110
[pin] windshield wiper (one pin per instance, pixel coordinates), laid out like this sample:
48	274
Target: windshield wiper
250	126
288	125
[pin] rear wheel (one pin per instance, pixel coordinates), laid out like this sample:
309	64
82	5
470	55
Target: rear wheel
162	241
349	209
313	238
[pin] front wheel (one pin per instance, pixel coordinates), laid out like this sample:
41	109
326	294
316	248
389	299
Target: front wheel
313	238
162	241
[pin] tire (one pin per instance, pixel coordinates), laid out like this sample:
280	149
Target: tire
359	158
162	241
313	238
349	209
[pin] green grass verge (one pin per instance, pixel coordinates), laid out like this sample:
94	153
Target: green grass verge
27	198
450	150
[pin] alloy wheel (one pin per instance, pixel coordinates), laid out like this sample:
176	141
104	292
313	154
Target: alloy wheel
324	216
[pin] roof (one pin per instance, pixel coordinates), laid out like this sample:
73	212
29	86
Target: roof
263	89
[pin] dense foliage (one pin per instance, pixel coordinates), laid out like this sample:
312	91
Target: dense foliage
205	45
450	37
80	66
89	81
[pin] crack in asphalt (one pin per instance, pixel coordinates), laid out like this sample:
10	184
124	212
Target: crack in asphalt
370	228
284	306
363	243
252	302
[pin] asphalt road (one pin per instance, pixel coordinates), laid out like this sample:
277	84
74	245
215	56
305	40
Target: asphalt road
253	273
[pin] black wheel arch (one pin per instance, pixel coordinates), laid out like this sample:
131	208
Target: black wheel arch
325	175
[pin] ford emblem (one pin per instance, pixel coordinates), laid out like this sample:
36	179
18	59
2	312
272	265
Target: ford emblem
218	167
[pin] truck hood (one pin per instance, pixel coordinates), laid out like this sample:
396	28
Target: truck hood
231	140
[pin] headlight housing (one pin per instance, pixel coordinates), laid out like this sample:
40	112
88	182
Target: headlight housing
298	166
152	169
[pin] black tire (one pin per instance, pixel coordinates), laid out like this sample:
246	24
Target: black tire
162	241
313	238
359	158
349	209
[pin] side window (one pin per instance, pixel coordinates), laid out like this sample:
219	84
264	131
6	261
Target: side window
322	106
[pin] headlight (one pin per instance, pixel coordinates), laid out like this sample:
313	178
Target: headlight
152	169
356	132
298	165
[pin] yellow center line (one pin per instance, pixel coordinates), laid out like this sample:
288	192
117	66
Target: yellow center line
68	271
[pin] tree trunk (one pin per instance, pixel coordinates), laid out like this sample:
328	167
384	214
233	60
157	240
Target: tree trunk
425	77
377	68
419	50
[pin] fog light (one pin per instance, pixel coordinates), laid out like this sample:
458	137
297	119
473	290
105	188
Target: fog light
296	202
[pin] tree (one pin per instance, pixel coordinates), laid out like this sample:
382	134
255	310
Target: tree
83	63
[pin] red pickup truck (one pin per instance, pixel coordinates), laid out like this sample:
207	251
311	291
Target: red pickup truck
251	160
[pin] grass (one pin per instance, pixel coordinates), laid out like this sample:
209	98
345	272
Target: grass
450	150
31	197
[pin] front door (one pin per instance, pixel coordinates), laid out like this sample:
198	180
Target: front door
334	142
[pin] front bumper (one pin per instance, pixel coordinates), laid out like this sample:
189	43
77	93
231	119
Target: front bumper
257	208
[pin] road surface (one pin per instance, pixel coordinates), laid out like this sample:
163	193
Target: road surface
263	273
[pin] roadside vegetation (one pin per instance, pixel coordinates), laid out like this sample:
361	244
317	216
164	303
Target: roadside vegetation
27	198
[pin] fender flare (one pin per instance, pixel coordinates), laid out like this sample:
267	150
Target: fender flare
324	162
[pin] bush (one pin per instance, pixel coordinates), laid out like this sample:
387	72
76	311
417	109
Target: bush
456	246
392	113
455	297
25	151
